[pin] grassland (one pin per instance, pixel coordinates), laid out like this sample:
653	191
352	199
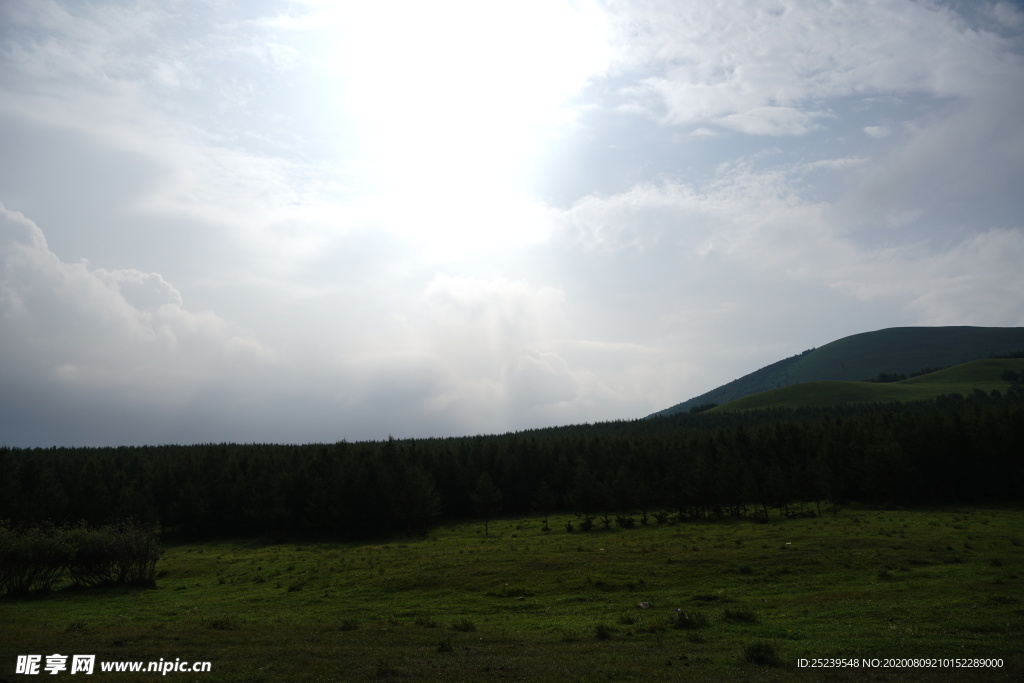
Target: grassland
905	350
981	375
523	604
862	356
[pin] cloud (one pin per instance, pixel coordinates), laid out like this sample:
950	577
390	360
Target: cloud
249	251
973	153
534	380
184	107
765	223
499	354
479	331
764	69
772	121
1007	15
115	355
974	282
144	291
638	218
122	333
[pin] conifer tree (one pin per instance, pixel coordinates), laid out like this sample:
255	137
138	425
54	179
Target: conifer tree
487	499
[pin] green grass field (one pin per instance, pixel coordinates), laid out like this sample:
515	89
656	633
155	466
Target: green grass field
905	350
982	375
522	604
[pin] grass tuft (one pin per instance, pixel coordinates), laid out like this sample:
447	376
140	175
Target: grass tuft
690	620
762	653
464	625
222	623
741	616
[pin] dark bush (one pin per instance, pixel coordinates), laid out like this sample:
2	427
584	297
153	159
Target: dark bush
137	553
762	653
37	557
743	616
32	559
95	556
463	625
689	620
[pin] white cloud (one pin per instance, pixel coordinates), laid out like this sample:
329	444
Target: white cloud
764	69
121	330
840	164
534	380
772	121
1008	15
496	354
638	218
144	291
974	153
474	328
737	181
761	221
975	282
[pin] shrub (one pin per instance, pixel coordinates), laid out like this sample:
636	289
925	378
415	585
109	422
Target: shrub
32	559
463	625
763	654
746	616
384	668
95	557
508	591
37	557
426	621
137	551
689	620
222	623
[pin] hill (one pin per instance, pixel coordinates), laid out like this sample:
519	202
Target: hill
981	375
902	350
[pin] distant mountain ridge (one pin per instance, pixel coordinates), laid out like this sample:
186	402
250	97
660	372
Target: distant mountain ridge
903	350
985	376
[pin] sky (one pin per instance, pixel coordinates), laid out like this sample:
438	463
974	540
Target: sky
307	221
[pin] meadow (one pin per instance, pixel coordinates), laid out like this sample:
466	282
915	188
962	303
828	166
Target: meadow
983	376
732	599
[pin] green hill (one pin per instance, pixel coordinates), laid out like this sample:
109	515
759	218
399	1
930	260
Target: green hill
981	375
897	350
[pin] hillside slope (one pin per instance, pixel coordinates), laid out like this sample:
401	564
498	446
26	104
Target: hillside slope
863	356
980	375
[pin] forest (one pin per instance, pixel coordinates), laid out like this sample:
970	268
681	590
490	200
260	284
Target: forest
956	449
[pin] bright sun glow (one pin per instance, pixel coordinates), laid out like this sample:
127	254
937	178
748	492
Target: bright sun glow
452	102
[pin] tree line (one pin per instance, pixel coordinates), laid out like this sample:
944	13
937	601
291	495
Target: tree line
956	449
36	556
